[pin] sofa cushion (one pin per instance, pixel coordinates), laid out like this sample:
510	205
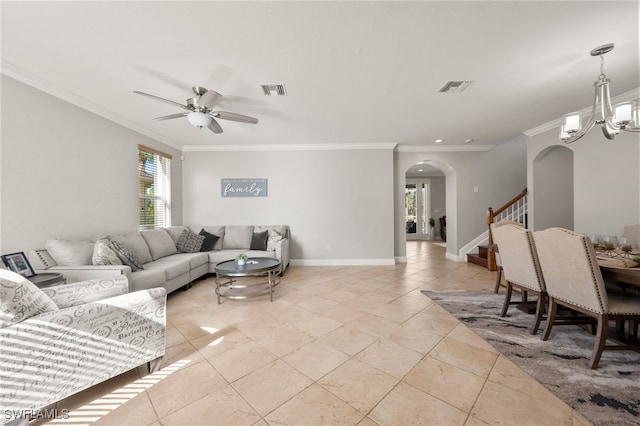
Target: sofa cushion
171	268
210	240
70	253
259	240
103	254
175	232
20	299
128	256
237	237
135	242
194	260
190	242
159	242
145	279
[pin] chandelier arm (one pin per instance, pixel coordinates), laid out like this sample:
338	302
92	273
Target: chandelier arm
607	111
582	132
592	118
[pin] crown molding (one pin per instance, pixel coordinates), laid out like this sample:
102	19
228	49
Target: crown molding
43	85
288	147
631	95
445	148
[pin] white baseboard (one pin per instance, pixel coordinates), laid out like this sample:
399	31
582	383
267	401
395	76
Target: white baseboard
457	258
342	262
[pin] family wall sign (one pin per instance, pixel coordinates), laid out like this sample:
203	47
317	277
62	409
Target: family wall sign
243	187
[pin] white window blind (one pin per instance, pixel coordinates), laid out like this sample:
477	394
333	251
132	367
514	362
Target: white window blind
154	188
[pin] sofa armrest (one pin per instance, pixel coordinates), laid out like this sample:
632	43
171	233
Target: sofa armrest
87	291
282	252
87	272
51	356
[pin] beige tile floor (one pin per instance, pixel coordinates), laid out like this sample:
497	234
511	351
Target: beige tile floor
338	345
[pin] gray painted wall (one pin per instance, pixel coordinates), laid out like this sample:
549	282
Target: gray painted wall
69	174
606	179
553	181
338	203
438	200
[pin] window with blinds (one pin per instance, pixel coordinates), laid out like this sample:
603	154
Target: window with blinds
154	188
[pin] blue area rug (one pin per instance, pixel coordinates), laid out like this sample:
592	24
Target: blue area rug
609	395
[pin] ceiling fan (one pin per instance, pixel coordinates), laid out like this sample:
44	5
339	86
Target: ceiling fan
199	110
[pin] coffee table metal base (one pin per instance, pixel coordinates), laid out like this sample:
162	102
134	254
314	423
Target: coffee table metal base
227	285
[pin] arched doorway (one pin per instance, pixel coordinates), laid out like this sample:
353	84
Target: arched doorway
553	188
424	201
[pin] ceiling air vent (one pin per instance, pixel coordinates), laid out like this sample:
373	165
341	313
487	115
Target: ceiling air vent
274	90
454	86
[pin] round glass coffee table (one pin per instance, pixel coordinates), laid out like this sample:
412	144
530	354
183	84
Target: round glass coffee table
228	287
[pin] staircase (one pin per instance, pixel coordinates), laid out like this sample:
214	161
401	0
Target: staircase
481	258
516	210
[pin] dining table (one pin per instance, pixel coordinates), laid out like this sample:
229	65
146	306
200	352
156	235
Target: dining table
629	276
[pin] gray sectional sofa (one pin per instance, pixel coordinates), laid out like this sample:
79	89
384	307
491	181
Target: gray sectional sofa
158	254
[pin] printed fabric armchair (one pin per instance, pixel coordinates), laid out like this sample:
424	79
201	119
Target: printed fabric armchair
63	339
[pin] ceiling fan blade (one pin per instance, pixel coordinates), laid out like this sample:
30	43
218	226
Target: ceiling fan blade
172	116
161	99
214	126
234	117
209	99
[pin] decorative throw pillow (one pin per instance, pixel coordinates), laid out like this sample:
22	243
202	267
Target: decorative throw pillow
127	255
41	259
189	242
274	239
210	240
103	254
20	299
259	240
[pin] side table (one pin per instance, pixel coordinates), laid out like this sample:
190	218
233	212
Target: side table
47	279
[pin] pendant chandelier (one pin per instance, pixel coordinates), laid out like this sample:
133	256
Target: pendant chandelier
625	116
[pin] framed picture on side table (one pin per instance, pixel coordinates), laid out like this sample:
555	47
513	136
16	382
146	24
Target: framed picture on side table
18	263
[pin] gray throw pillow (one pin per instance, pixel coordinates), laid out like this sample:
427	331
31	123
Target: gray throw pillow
189	242
259	240
127	255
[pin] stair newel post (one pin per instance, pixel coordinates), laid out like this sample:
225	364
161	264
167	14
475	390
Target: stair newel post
491	257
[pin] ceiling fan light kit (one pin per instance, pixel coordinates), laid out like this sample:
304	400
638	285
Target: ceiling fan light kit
625	116
199	119
200	110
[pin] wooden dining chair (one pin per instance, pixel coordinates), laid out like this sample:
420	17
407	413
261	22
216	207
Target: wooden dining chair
573	279
500	271
519	261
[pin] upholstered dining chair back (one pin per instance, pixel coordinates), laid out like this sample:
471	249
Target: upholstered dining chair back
497	225
568	262
519	256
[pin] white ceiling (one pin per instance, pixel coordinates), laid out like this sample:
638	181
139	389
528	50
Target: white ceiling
355	72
